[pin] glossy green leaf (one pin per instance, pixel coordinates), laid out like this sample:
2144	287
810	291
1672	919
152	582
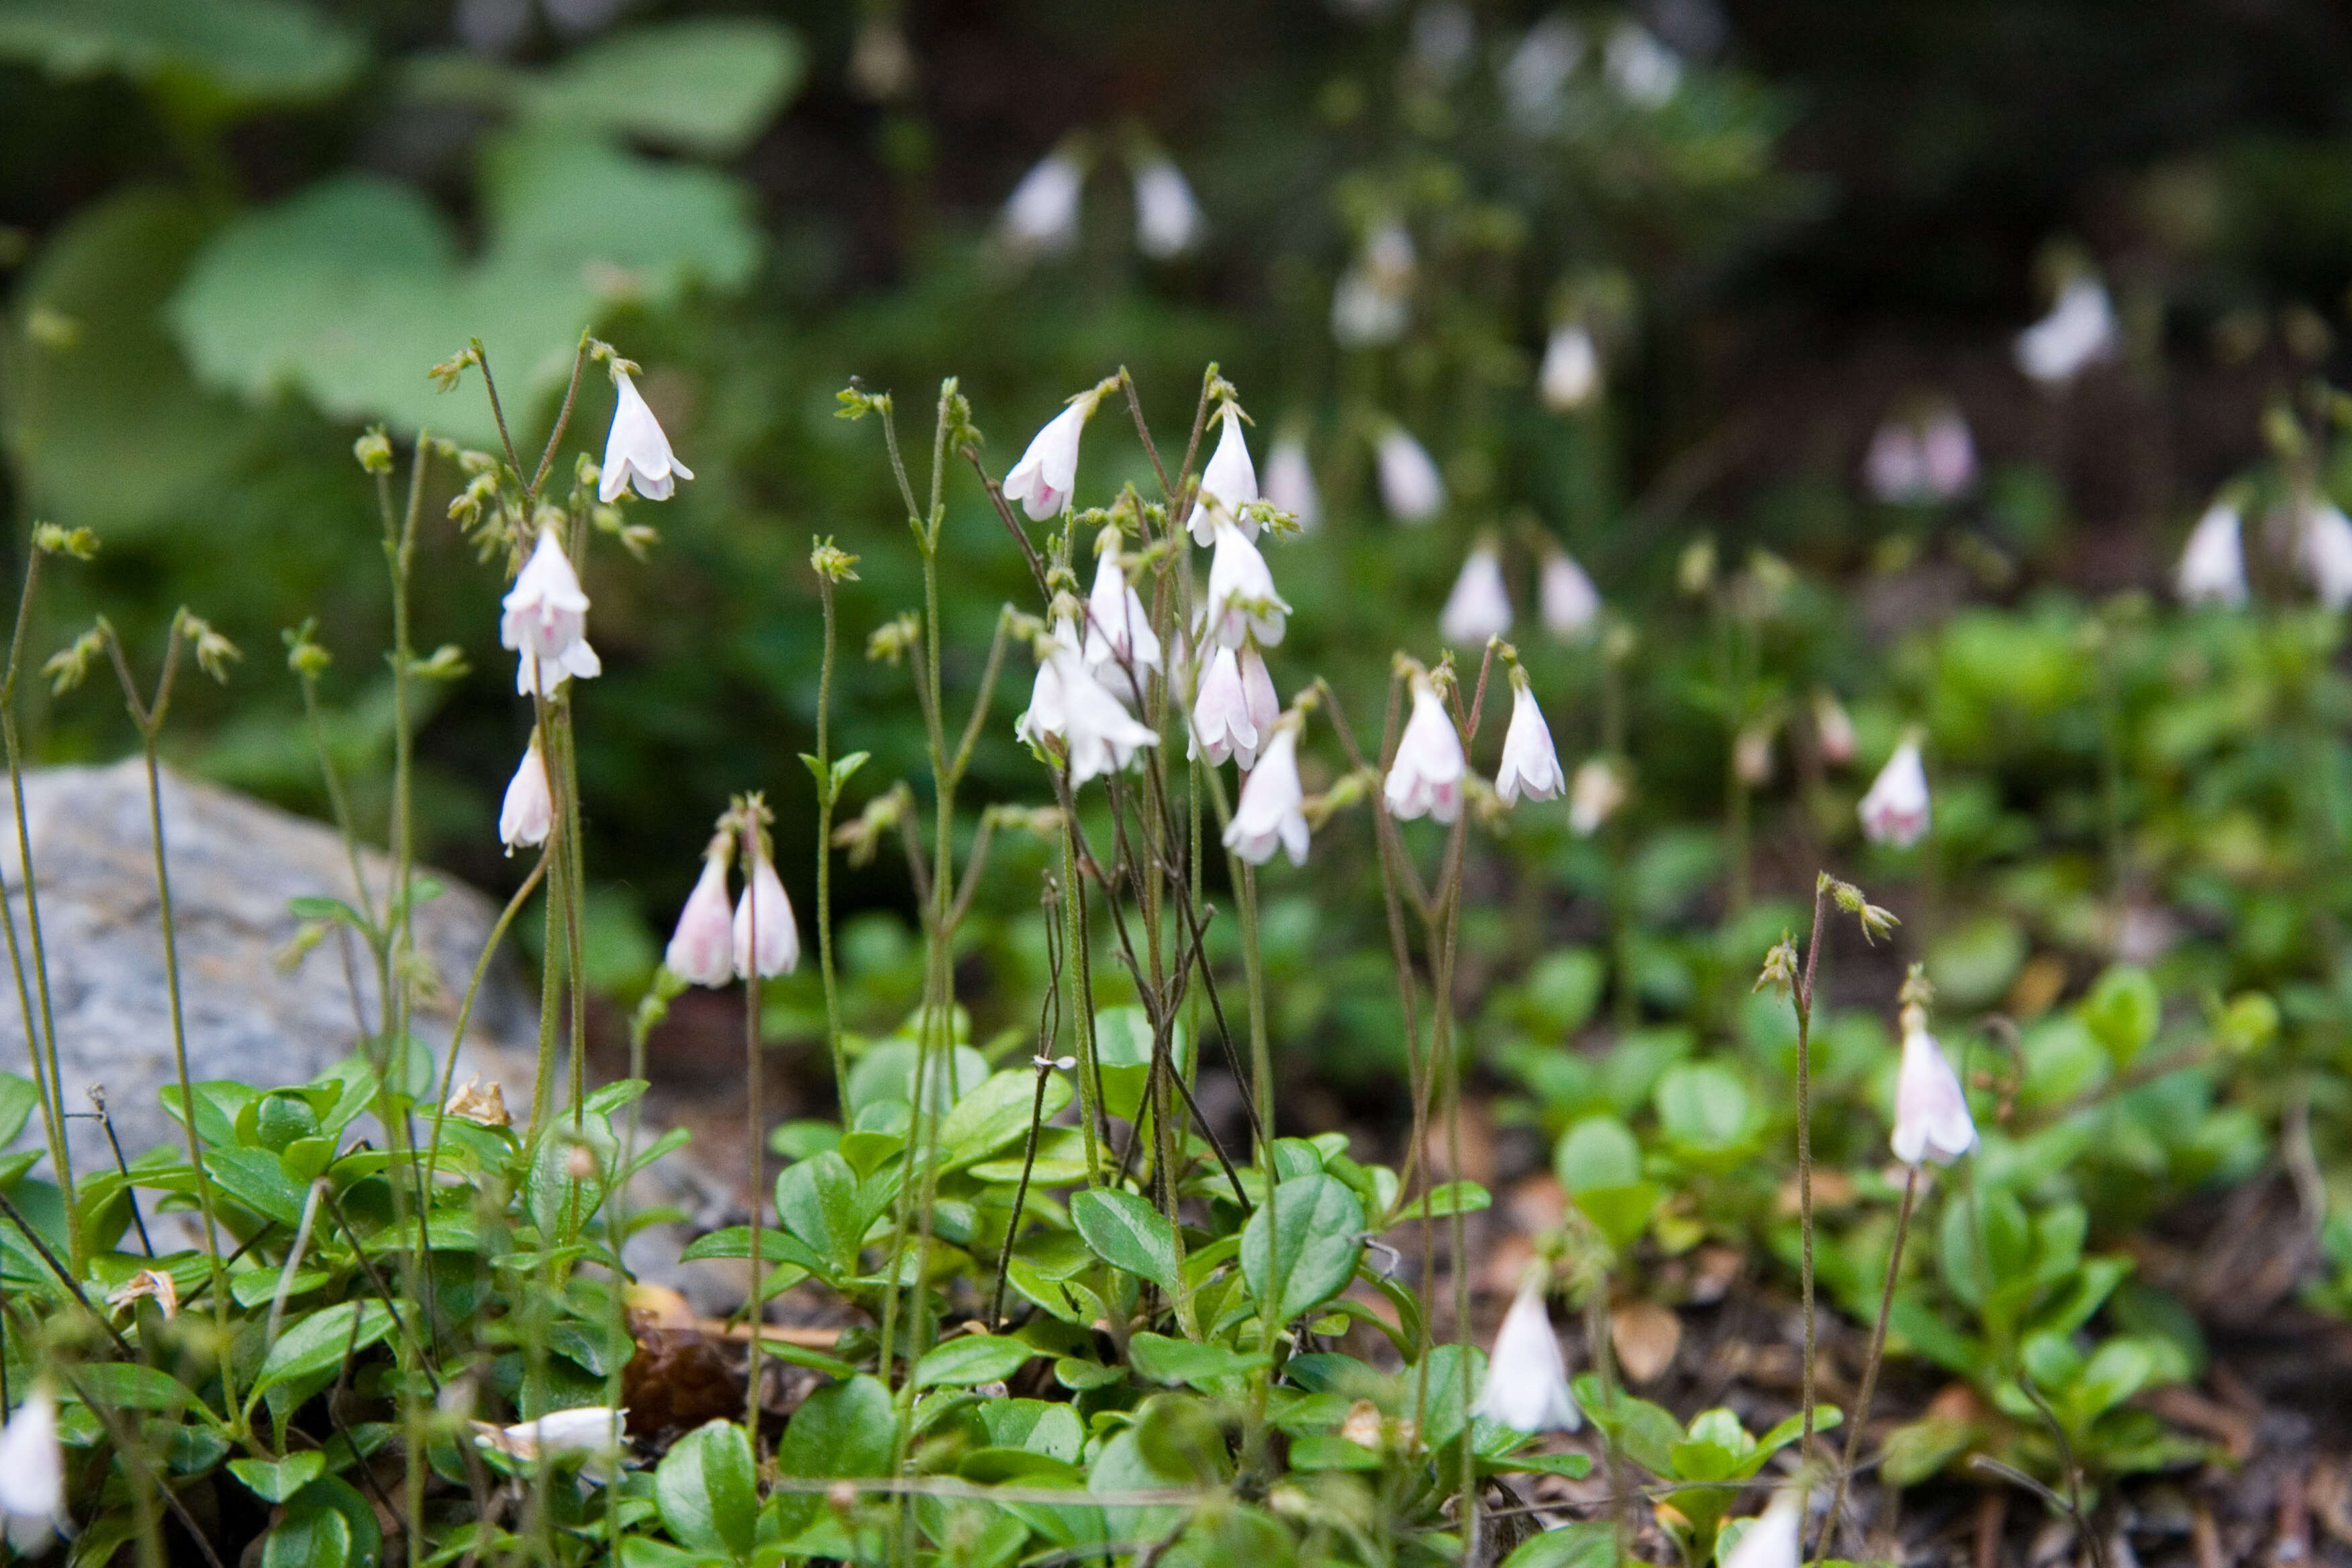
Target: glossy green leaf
1300	1249
969	1359
708	1490
1126	1233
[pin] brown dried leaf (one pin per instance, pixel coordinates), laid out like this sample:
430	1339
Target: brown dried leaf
1646	1337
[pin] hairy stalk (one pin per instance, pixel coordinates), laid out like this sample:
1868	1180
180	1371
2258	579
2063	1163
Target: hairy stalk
826	794
1869	1367
1802	994
755	1311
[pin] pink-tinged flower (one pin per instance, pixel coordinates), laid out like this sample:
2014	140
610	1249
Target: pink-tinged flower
1931	1113
1772	1541
529	810
1290	481
1593	797
1565	598
1480	606
33	1472
1948	454
1833	730
1410	487
1230	478
1893	467
1222	725
1241	600
1751	756
1073	717
2079	332
764	916
1257	692
1894	812
1168	221
1570	375
1119	639
1041	216
1531	763
1272	808
1527	1378
1044	719
2327	555
546	621
1425	779
1921	459
1043	480
2213	565
702	948
635	450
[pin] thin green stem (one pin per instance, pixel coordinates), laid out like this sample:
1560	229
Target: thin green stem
825	798
1870	1367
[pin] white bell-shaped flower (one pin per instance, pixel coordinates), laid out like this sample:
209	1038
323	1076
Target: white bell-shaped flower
1410	485
1425	778
1895	811
1537	70
1241	600
1043	480
546	621
594	1430
1222	725
2079	330
1894	469
1566	599
1947	453
32	1472
1272	808
1290	481
2327	555
635	450
1168	221
1100	735
1230	478
1044	717
1530	764
2213	565
764	921
1773	1540
1570	374
1642	70
1372	302
1527	1377
702	949
1480	604
1931	1112
1041	216
1119	644
1257	692
529	811
1594	795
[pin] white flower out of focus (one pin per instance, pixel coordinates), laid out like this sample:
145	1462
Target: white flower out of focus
1410	485
2213	565
1241	600
1372	302
1272	809
1168	220
1931	1112
1290	481
1772	1541
1895	813
1593	796
635	450
1043	480
2079	332
1229	478
1535	72
1480	604
1642	70
546	621
2327	555
32	1472
1041	216
1527	1378
590	1429
702	949
1530	764
1566	600
763	915
1921	460
529	810
1570	375
1425	779
1833	729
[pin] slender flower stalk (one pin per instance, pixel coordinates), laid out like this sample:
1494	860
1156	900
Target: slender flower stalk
832	567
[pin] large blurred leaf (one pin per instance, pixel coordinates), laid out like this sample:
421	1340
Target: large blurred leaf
234	51
704	87
104	425
352	291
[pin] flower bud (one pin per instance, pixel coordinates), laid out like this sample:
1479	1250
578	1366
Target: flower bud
373	451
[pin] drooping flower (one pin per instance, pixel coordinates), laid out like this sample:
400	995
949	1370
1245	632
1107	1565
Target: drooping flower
1895	811
1069	709
1565	597
2213	566
1373	300
1915	459
1527	1378
1168	221
592	1429
1893	469
702	949
1425	779
2079	330
1530	764
1773	1540
1570	374
1751	754
1119	642
1048	471
546	621
529	810
635	450
1257	692
1222	725
1230	478
763	915
1947	453
1833	729
1410	485
1642	70
1931	1113
1480	604
32	1472
1595	797
1290	481
1041	216
1535	71
1272	808
1241	600
2327	555
1043	719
